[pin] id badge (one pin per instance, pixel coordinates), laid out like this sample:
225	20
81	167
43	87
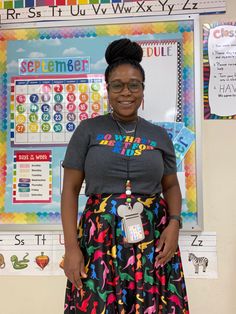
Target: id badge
133	228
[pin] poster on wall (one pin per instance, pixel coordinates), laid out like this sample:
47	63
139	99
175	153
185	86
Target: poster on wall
53	78
219	67
162	55
32	177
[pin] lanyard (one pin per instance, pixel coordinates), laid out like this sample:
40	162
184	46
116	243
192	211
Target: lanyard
131	220
128	190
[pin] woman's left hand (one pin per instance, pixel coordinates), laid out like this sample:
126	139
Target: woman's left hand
167	244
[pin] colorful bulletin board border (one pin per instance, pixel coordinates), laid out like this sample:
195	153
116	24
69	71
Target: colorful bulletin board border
183	29
206	73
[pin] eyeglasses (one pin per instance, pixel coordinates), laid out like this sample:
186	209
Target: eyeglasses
118	86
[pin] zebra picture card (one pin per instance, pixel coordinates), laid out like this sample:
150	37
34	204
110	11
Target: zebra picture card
199	256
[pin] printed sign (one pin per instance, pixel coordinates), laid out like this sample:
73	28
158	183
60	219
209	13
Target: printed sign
54	66
160	55
219	71
32	177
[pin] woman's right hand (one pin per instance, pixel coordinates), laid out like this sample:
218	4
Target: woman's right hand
74	266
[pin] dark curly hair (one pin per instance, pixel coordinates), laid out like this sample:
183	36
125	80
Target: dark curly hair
123	51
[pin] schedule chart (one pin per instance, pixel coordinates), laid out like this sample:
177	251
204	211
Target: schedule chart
46	110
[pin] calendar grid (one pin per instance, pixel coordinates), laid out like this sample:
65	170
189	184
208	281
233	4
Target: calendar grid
46	111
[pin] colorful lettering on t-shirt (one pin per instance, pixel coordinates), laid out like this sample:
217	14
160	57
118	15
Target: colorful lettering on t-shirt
126	145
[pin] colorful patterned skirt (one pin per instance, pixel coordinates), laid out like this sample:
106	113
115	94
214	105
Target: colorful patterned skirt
122	278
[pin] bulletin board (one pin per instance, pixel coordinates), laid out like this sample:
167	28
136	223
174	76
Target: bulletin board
53	77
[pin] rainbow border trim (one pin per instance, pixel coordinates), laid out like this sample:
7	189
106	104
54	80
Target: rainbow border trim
185	28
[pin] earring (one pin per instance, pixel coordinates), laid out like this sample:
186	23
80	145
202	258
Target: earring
142	104
110	108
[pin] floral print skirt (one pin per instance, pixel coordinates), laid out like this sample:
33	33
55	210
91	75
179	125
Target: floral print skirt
122	278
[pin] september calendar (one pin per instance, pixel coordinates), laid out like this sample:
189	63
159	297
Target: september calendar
46	110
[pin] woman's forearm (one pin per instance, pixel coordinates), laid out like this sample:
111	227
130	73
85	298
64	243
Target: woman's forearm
172	195
69	214
173	198
69	205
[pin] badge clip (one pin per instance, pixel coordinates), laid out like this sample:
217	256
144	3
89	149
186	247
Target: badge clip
132	222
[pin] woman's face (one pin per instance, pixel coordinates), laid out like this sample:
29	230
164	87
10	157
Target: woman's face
125	91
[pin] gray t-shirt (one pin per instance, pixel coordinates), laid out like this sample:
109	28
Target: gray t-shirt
102	149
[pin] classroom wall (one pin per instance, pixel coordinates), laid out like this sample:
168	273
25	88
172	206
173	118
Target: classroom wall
37	295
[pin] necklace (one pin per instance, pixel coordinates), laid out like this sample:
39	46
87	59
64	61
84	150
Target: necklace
121	126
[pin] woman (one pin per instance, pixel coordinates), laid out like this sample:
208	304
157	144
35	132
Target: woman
124	256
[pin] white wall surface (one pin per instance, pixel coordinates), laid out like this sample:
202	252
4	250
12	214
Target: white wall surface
45	295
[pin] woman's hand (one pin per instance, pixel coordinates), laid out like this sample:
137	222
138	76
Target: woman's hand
167	244
74	266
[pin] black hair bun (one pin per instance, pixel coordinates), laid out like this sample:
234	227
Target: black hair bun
123	49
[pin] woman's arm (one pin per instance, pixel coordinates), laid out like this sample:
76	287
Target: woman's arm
169	237
172	194
74	261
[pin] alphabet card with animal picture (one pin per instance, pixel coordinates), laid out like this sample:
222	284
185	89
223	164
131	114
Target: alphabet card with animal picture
198	251
31	253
